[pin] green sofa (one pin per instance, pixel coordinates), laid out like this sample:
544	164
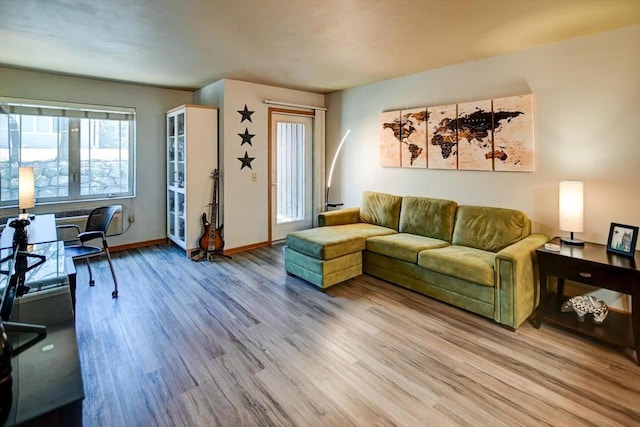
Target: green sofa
481	259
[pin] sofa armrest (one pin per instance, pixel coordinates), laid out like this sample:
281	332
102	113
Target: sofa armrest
339	217
517	281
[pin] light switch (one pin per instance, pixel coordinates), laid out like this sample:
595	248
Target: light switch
254	177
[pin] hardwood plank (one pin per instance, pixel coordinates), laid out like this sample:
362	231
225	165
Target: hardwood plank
237	342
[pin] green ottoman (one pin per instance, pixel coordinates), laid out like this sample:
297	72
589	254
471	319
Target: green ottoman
325	256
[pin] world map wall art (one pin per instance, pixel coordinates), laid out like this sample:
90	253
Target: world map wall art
482	135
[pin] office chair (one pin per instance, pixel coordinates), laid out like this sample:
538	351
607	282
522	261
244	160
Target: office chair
96	228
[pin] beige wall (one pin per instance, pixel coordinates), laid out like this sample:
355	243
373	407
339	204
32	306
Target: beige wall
587	109
149	205
245	203
587	126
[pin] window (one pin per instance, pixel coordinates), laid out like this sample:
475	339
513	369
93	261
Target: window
290	172
78	152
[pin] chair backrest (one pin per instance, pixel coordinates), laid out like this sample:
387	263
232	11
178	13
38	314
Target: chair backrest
100	218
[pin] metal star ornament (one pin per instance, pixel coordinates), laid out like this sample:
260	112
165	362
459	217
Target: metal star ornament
246	137
246	161
246	114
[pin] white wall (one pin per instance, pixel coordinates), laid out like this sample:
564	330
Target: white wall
149	205
244	202
587	125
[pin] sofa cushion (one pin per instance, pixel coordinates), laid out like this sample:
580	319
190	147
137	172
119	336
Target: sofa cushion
473	265
489	229
428	217
362	229
325	242
332	242
403	246
380	209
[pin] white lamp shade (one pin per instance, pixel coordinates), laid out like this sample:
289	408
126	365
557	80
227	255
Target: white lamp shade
26	188
571	206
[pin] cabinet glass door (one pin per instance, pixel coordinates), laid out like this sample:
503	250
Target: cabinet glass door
171	171
176	157
180	176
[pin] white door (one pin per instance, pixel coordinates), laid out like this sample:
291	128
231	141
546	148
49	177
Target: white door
291	174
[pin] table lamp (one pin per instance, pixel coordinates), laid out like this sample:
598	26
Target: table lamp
26	190
571	210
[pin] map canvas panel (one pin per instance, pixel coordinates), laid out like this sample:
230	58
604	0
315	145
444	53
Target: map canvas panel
390	139
475	136
413	135
442	143
513	148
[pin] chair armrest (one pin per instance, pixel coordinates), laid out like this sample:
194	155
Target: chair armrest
63	226
517	281
339	217
90	235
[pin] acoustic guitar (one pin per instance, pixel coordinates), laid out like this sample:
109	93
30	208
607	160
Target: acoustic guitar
211	239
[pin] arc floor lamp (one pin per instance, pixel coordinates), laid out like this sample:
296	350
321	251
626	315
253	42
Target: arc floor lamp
328	204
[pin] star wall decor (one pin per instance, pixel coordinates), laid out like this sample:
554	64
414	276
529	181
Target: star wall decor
246	114
246	137
246	161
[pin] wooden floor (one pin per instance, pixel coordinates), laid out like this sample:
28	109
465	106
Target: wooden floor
239	343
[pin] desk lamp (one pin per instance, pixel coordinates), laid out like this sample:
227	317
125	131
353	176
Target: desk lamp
26	190
571	210
26	199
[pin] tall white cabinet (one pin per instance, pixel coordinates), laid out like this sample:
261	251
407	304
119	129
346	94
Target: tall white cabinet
192	145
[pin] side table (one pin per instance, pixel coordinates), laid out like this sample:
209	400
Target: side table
593	265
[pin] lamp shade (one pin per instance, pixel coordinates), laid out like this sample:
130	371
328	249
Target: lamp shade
571	206
26	188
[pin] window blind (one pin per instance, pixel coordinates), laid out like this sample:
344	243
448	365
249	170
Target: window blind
57	109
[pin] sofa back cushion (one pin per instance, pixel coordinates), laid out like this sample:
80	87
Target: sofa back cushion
428	217
489	229
380	209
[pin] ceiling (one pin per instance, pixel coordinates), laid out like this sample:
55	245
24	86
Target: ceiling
314	45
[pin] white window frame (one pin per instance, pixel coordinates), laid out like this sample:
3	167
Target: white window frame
76	113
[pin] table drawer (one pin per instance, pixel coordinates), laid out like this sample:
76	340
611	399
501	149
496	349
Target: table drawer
591	273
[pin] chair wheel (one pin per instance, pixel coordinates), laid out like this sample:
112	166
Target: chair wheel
92	282
114	294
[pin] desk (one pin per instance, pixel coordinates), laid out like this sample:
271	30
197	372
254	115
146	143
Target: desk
47	380
42	237
593	265
42	229
43	240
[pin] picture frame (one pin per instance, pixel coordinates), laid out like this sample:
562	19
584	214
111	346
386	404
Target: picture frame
622	239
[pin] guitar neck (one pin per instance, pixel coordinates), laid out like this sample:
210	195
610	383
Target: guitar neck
214	203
